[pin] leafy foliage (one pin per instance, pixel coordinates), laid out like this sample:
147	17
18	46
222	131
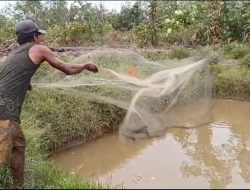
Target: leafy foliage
150	22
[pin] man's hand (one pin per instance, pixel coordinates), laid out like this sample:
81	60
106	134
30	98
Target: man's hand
91	67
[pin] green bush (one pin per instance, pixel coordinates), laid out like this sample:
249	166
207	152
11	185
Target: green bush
231	83
173	53
246	61
7	31
74	33
156	55
236	51
179	53
142	35
183	37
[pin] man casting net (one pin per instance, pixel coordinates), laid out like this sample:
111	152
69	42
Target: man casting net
155	95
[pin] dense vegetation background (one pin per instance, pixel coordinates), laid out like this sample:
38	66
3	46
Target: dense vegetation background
142	23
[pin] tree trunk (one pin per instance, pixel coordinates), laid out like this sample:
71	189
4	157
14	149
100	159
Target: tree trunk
152	17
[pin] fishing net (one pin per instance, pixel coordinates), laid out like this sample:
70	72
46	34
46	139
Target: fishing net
155	95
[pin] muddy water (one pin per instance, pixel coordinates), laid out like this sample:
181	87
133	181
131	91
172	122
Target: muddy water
212	156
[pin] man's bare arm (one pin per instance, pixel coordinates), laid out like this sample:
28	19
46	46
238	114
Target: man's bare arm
69	69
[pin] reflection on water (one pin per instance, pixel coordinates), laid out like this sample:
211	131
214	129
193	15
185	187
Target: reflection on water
212	156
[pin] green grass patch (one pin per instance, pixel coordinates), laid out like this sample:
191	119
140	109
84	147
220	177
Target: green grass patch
173	53
64	117
235	51
179	53
231	83
156	55
245	62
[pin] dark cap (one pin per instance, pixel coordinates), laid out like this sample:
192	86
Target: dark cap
27	26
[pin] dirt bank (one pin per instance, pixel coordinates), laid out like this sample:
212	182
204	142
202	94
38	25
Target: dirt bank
8	46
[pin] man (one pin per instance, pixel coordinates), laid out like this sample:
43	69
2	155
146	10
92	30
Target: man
15	76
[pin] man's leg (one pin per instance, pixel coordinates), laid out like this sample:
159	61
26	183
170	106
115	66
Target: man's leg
18	154
5	142
17	165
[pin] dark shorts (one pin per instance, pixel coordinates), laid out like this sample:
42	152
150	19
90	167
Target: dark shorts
11	135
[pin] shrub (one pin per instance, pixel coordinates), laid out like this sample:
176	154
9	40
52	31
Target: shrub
246	61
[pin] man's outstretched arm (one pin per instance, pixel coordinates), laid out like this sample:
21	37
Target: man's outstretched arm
69	69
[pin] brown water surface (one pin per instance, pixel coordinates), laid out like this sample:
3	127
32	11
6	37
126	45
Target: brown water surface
212	156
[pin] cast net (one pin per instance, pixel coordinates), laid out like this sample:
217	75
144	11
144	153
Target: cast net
155	95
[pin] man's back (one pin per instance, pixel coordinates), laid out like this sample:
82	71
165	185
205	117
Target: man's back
15	78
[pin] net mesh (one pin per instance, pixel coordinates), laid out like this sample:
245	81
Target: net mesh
155	95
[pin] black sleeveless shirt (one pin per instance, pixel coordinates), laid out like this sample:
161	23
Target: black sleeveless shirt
15	76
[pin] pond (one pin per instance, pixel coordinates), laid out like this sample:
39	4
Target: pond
211	156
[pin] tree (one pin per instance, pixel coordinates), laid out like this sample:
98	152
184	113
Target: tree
153	20
3	20
129	17
28	10
57	12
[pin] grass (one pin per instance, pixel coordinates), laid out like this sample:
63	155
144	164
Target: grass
235	51
246	61
231	83
63	117
173	53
